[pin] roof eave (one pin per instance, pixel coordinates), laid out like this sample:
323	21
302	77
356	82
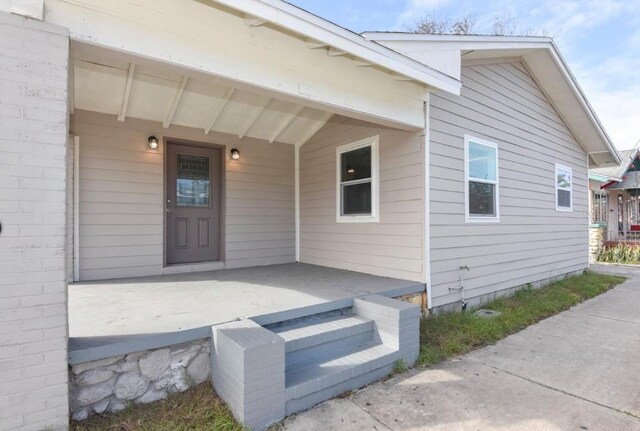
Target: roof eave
399	36
584	101
302	22
479	42
602	178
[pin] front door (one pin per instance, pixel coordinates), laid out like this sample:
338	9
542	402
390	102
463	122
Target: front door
194	191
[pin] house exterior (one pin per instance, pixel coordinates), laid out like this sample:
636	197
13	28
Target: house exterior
146	138
520	102
615	212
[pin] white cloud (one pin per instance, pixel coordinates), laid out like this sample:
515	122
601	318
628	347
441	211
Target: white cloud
618	109
634	40
619	113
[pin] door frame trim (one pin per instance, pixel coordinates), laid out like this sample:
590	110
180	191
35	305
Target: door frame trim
166	141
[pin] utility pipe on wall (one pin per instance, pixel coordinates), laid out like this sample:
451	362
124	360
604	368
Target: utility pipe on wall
463	301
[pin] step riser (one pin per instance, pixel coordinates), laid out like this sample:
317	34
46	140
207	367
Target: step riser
306	402
334	331
341	373
328	350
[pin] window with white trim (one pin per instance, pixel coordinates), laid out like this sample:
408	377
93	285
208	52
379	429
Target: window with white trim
482	201
564	188
357	198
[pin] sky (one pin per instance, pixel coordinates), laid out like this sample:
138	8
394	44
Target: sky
599	39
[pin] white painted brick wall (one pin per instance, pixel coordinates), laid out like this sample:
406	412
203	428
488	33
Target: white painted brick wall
33	289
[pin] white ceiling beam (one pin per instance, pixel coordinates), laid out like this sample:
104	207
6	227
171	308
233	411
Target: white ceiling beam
363	63
332	52
225	100
314	44
313	130
285	124
127	92
254	22
176	101
254	119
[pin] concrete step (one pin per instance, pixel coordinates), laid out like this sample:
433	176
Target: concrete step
314	383
318	340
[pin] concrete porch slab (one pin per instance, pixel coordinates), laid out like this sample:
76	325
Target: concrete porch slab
179	307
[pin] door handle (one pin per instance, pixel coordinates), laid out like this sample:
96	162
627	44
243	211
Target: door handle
168	207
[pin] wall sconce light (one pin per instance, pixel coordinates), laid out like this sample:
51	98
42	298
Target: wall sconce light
153	142
235	154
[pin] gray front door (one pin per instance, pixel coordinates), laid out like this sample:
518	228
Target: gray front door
194	177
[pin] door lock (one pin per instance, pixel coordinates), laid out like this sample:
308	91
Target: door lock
168	207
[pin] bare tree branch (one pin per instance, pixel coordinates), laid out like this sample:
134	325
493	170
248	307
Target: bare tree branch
463	25
503	25
432	24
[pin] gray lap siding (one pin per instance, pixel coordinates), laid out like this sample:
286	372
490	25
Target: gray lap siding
532	241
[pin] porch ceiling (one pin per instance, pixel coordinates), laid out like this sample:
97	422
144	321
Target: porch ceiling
125	86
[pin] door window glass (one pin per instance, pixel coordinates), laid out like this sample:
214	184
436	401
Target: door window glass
193	184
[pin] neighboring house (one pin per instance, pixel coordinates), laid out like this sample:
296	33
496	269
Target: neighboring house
615	198
154	138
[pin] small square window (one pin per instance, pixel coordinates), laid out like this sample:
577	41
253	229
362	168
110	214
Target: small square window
357	182
193	182
481	181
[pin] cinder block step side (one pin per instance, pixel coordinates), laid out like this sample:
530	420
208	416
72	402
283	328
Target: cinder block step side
307	401
305	334
303	381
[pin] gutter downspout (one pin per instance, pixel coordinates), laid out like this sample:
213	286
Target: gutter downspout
426	246
297	199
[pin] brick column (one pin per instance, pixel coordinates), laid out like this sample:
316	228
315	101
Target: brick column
34	59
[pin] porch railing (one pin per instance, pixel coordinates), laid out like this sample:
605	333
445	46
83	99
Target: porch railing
599	208
629	235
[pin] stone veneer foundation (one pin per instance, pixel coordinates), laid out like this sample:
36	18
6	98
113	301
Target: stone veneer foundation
111	384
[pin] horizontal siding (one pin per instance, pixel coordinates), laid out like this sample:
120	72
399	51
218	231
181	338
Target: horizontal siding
122	198
392	247
532	242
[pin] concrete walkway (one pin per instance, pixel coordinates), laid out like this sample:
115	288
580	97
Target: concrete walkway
579	370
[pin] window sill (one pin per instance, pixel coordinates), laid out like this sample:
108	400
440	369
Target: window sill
471	219
564	210
357	219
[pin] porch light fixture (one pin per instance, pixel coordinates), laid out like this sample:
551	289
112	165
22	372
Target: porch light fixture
235	154
153	142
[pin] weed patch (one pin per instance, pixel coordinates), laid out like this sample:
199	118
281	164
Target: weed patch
454	333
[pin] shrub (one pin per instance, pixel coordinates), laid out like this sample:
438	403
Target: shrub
620	252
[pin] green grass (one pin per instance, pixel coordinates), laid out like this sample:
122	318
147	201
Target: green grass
442	336
454	333
197	409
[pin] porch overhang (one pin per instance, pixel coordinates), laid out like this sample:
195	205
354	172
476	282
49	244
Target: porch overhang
250	46
630	181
